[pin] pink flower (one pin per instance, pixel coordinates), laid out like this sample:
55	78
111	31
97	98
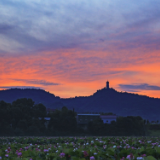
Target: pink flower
6	155
45	150
62	155
26	148
85	153
130	156
19	154
92	158
143	155
104	146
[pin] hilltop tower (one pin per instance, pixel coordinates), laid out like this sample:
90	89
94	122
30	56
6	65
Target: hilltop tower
107	85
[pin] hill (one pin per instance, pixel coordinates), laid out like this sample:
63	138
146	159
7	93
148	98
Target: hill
104	100
37	95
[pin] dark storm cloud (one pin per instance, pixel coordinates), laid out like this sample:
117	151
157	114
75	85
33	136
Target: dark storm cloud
133	87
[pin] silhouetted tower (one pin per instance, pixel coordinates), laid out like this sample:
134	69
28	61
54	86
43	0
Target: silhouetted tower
107	85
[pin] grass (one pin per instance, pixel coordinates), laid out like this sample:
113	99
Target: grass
154	133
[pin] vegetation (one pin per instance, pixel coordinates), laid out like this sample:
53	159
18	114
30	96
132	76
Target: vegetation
104	100
25	118
83	148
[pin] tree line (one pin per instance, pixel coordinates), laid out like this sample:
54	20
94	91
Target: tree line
25	118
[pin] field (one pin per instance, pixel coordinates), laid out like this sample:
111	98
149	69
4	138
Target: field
154	133
79	148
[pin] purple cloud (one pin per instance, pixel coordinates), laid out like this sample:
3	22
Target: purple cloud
34	81
45	25
136	87
4	28
21	87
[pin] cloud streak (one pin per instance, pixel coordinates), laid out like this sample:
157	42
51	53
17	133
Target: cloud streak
34	81
19	87
80	44
136	87
36	26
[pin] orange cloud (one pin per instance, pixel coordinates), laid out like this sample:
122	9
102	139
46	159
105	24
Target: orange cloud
80	73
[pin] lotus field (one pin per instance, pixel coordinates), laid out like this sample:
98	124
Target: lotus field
79	148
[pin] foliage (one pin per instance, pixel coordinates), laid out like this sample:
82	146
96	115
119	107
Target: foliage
82	148
25	118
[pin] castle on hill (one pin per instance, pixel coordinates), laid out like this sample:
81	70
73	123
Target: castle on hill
107	85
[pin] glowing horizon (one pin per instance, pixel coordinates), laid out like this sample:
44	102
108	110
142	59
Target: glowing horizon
33	87
72	48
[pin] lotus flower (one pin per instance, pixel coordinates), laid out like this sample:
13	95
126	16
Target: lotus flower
143	155
6	155
92	158
45	150
85	153
62	155
19	154
130	156
114	146
139	158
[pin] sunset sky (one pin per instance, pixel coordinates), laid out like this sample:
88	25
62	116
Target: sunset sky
72	47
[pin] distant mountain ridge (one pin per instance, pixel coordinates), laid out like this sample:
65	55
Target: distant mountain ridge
104	100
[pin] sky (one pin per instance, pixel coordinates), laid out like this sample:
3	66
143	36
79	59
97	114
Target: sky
71	48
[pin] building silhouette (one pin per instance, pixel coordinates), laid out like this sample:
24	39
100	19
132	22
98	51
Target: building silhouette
107	85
